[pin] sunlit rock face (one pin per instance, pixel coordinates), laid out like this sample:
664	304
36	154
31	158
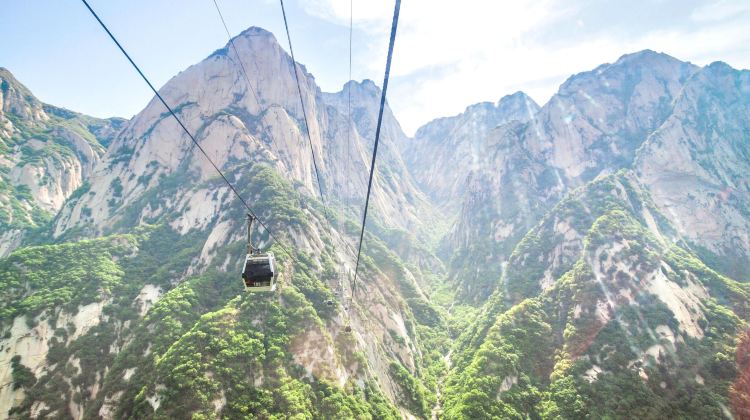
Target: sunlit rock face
598	119
697	166
594	125
46	153
445	151
237	124
627	262
398	200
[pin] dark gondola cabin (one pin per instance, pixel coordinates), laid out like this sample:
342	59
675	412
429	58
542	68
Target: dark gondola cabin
260	272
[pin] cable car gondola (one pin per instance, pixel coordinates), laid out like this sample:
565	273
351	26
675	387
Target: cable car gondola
259	273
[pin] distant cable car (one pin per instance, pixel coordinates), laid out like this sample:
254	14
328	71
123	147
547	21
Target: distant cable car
259	273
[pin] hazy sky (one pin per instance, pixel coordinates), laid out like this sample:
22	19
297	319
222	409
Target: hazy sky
449	54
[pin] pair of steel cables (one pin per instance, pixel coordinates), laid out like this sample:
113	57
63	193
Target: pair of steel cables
394	26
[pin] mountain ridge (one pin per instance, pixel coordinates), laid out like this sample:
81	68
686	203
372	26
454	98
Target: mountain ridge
566	272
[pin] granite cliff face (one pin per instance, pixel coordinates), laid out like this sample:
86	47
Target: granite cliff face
697	167
46	153
609	231
238	124
593	126
456	146
603	310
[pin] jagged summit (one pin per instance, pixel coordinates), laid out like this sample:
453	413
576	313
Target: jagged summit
478	106
256	31
244	42
646	56
722	67
365	88
256	40
251	34
458	143
496	112
511	103
45	154
516	95
5	73
16	98
260	39
638	65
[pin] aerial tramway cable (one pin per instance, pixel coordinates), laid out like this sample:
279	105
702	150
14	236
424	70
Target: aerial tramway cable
307	125
184	128
307	122
236	53
394	26
347	172
304	111
257	99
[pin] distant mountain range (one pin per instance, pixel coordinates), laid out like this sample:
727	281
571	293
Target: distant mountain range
585	258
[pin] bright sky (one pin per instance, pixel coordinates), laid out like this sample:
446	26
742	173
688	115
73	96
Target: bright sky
448	54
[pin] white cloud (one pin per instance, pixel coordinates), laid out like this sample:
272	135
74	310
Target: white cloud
364	13
451	54
720	10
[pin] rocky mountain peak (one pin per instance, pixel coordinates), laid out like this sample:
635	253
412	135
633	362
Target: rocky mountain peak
724	78
632	74
257	31
17	99
255	44
242	119
518	96
721	66
365	87
600	117
252	35
365	102
647	56
364	94
516	104
46	153
458	144
479	107
696	165
9	81
591	127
